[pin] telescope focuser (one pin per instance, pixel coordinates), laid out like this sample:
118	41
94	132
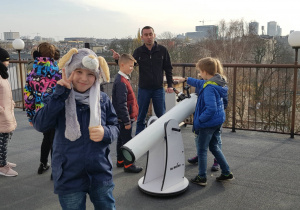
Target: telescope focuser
180	95
187	88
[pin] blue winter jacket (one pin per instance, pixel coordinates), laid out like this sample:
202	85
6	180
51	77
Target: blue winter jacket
209	110
80	164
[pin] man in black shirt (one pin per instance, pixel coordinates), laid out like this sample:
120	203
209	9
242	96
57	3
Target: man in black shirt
153	60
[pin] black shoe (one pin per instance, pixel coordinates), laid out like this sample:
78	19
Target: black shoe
132	169
51	177
120	163
43	168
224	177
193	160
199	180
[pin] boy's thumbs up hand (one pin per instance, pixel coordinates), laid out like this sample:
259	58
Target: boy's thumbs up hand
96	133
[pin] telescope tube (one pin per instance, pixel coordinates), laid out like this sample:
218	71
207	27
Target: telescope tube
146	139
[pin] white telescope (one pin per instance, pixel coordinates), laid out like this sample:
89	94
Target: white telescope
162	139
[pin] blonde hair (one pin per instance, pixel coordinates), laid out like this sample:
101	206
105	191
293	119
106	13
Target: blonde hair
124	58
211	66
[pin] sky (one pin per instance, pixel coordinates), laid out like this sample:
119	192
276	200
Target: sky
122	18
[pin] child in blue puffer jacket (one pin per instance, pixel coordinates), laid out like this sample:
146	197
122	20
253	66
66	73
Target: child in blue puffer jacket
209	116
194	160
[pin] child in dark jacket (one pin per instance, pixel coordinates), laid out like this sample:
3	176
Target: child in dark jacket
208	118
126	106
85	125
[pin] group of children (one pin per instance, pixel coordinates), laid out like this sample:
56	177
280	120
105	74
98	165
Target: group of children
81	162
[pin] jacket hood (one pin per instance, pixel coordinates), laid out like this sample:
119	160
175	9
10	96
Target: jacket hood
221	87
219	80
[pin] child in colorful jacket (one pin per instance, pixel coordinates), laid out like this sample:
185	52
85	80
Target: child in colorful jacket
40	83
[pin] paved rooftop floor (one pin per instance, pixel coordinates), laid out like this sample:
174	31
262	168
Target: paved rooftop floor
266	169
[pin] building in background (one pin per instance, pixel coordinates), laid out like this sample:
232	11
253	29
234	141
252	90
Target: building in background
202	32
11	35
80	39
279	30
253	28
272	28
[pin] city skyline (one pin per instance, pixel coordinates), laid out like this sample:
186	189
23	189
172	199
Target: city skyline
121	19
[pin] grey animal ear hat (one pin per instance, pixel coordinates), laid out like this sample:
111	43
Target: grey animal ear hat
84	59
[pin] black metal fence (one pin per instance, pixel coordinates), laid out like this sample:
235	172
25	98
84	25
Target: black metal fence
261	97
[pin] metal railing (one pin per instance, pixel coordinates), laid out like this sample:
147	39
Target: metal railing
261	97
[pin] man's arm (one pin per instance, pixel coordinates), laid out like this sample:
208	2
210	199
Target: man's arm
168	70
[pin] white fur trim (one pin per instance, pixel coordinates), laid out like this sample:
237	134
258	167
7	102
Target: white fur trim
90	62
72	131
95	108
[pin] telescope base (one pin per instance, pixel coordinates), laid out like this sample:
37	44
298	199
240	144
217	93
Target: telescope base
154	187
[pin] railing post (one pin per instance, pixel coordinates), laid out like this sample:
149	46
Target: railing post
183	71
234	99
21	77
294	94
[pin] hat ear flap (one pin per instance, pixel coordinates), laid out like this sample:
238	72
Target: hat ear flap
66	59
36	54
104	70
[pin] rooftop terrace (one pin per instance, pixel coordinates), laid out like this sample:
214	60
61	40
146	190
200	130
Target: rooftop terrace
266	167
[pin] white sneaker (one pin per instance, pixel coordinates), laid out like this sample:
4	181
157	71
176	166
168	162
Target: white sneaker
12	165
7	171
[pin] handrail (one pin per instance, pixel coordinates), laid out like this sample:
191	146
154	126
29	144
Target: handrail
262	97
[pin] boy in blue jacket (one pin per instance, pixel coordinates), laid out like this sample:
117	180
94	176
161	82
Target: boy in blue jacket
85	125
209	116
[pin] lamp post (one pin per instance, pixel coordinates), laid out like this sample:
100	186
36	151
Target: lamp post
18	44
294	41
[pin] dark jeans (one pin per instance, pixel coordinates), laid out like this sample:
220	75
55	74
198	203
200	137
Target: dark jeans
124	136
4	138
101	197
158	101
46	146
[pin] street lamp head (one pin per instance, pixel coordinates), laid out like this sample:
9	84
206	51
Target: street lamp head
294	39
18	44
